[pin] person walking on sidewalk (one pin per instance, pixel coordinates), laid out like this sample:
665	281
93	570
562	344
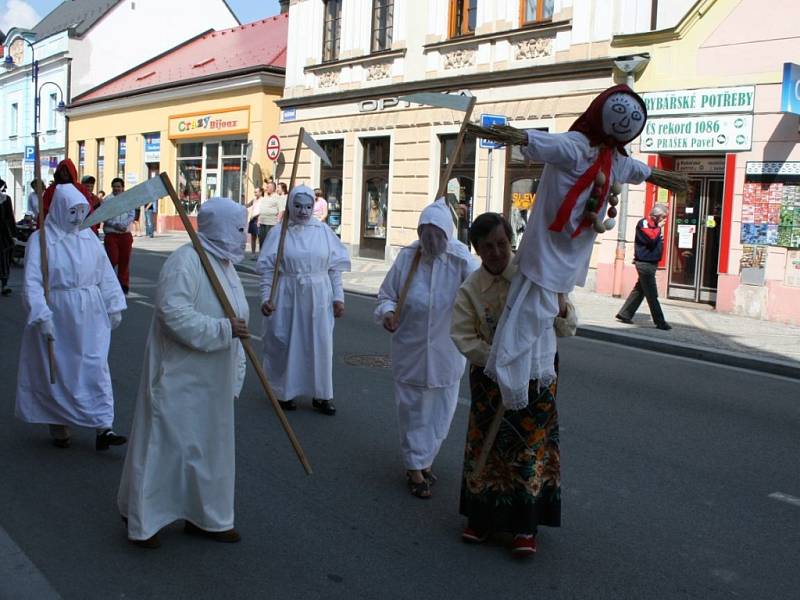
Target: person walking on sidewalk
270	209
118	240
648	248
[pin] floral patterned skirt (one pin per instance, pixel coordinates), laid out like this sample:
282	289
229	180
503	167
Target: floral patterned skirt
520	487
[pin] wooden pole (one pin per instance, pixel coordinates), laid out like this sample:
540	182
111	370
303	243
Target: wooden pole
439	193
37	175
285	221
231	314
488	441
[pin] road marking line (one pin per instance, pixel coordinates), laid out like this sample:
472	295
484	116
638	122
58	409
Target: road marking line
781	497
135	296
143	303
20	577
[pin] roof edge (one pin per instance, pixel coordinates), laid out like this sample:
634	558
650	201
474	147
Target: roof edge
671	34
144	64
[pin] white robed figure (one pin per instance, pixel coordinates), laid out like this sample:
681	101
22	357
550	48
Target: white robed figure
426	365
86	303
181	460
298	330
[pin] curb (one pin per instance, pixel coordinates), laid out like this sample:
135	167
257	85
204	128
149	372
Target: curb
685	350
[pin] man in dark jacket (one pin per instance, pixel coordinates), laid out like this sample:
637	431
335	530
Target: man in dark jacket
648	248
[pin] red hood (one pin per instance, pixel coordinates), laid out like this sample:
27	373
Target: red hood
590	123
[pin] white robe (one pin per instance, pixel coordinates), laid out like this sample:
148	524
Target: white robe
298	336
83	291
426	365
550	262
181	456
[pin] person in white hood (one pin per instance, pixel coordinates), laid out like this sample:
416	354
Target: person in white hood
181	460
298	330
85	304
426	365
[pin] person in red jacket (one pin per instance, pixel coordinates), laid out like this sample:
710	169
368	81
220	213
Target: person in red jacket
65	173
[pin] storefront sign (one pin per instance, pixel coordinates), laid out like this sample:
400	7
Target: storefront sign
152	147
772	168
208	124
790	89
698	134
739	99
715	166
288	114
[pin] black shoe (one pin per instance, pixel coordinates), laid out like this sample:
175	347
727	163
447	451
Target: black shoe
288	404
625	320
107	439
326	407
6	291
664	326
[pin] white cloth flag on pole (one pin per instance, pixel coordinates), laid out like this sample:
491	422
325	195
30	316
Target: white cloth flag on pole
150	191
453	101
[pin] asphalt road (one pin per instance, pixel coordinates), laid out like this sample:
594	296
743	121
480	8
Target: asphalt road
668	468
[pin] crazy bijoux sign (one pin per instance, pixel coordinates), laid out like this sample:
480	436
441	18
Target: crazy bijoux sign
740	99
225	121
710	133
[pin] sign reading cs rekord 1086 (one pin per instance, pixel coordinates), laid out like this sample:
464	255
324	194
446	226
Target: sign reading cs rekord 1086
693	134
273	147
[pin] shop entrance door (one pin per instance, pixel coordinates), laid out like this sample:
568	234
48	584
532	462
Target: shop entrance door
375	198
694	256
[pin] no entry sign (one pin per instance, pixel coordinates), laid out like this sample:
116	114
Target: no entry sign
273	147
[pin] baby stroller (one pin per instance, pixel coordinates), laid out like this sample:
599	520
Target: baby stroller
25	228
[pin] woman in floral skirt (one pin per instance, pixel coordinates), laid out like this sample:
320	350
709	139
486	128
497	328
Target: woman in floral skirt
520	486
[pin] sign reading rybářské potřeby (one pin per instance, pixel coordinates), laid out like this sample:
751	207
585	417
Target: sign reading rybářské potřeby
225	121
740	99
715	133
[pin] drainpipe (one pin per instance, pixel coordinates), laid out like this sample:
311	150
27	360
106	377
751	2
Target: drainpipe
630	67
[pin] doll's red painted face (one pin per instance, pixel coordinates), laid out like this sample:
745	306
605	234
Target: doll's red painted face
623	117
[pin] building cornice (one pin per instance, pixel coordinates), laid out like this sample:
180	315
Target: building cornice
561	70
647	38
358	60
535	30
154	95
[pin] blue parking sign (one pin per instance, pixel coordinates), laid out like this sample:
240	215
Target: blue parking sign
30	154
488	121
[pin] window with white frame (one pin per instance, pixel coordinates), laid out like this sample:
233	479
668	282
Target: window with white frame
332	30
382	24
13	119
51	114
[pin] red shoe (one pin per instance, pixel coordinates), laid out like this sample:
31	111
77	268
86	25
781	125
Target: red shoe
472	536
523	545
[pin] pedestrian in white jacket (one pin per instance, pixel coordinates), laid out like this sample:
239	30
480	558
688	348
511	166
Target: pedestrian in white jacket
426	365
85	304
181	457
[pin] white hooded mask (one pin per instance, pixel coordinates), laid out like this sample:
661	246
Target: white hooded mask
221	228
68	209
300	205
438	214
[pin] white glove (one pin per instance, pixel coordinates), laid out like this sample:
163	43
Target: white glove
47	330
115	318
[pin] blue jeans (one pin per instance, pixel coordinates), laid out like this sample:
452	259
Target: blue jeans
149	217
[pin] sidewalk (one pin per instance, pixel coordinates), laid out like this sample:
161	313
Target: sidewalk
697	330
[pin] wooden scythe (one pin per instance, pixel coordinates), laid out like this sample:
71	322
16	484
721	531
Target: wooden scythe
37	175
231	314
439	193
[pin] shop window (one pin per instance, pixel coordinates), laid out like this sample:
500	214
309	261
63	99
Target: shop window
81	159
209	169
122	151
460	190
234	168
375	197
190	150
534	11
463	17
382	24
522	181
331	32
331	178
101	163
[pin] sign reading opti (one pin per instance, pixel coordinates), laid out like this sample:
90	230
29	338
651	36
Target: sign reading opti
204	124
488	121
273	147
739	99
790	90
692	134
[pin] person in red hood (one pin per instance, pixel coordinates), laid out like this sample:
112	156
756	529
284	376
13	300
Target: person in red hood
65	173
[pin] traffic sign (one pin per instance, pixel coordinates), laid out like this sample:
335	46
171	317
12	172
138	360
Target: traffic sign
30	155
273	147
488	121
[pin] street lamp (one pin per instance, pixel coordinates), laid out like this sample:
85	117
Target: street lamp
630	67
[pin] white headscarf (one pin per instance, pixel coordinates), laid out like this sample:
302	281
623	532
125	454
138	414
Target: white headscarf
68	209
221	228
300	190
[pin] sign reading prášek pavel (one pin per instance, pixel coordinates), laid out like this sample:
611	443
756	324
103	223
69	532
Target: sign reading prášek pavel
699	124
225	121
